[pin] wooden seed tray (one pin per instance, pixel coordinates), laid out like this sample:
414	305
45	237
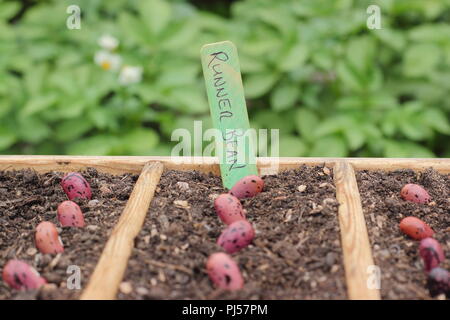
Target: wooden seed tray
106	278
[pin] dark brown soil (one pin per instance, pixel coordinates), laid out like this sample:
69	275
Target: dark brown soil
296	253
402	275
27	198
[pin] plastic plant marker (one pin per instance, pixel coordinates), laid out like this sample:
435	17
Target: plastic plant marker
234	144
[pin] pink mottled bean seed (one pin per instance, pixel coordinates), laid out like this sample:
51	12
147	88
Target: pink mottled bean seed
415	228
70	215
47	238
431	253
224	272
21	276
75	186
229	208
247	187
236	236
414	193
438	282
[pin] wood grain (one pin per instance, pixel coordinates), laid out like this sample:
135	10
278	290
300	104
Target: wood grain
266	165
354	238
108	273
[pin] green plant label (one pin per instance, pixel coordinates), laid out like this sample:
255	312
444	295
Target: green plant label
234	141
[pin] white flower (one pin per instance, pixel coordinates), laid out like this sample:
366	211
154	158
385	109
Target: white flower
130	74
108	42
108	60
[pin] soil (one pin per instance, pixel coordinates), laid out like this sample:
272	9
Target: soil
27	198
402	275
296	253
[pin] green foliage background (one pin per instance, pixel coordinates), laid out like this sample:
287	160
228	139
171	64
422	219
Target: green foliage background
311	68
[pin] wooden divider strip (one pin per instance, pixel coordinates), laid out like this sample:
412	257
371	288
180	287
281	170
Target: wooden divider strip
354	238
266	165
108	273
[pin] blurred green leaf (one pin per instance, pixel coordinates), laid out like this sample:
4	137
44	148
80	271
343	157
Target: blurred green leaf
258	84
38	104
98	145
33	130
306	122
420	59
291	146
436	32
360	54
8	9
7	137
156	14
355	137
437	119
73	129
349	77
284	96
293	57
140	141
405	149
332	146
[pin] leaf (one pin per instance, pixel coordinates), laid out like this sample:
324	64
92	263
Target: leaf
293	57
306	122
390	122
291	146
72	129
189	99
139	141
70	110
35	80
258	84
133	28
7	138
414	129
331	146
33	130
405	149
103	118
333	125
355	137
420	59
8	9
393	38
284	96
360	54
156	14
250	64
37	104
178	76
437	120
349	77
178	36
98	145
436	32
266	119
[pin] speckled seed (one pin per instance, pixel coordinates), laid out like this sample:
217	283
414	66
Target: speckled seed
415	228
236	236
47	238
76	186
247	187
70	215
224	272
431	253
21	276
229	208
415	193
438	282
